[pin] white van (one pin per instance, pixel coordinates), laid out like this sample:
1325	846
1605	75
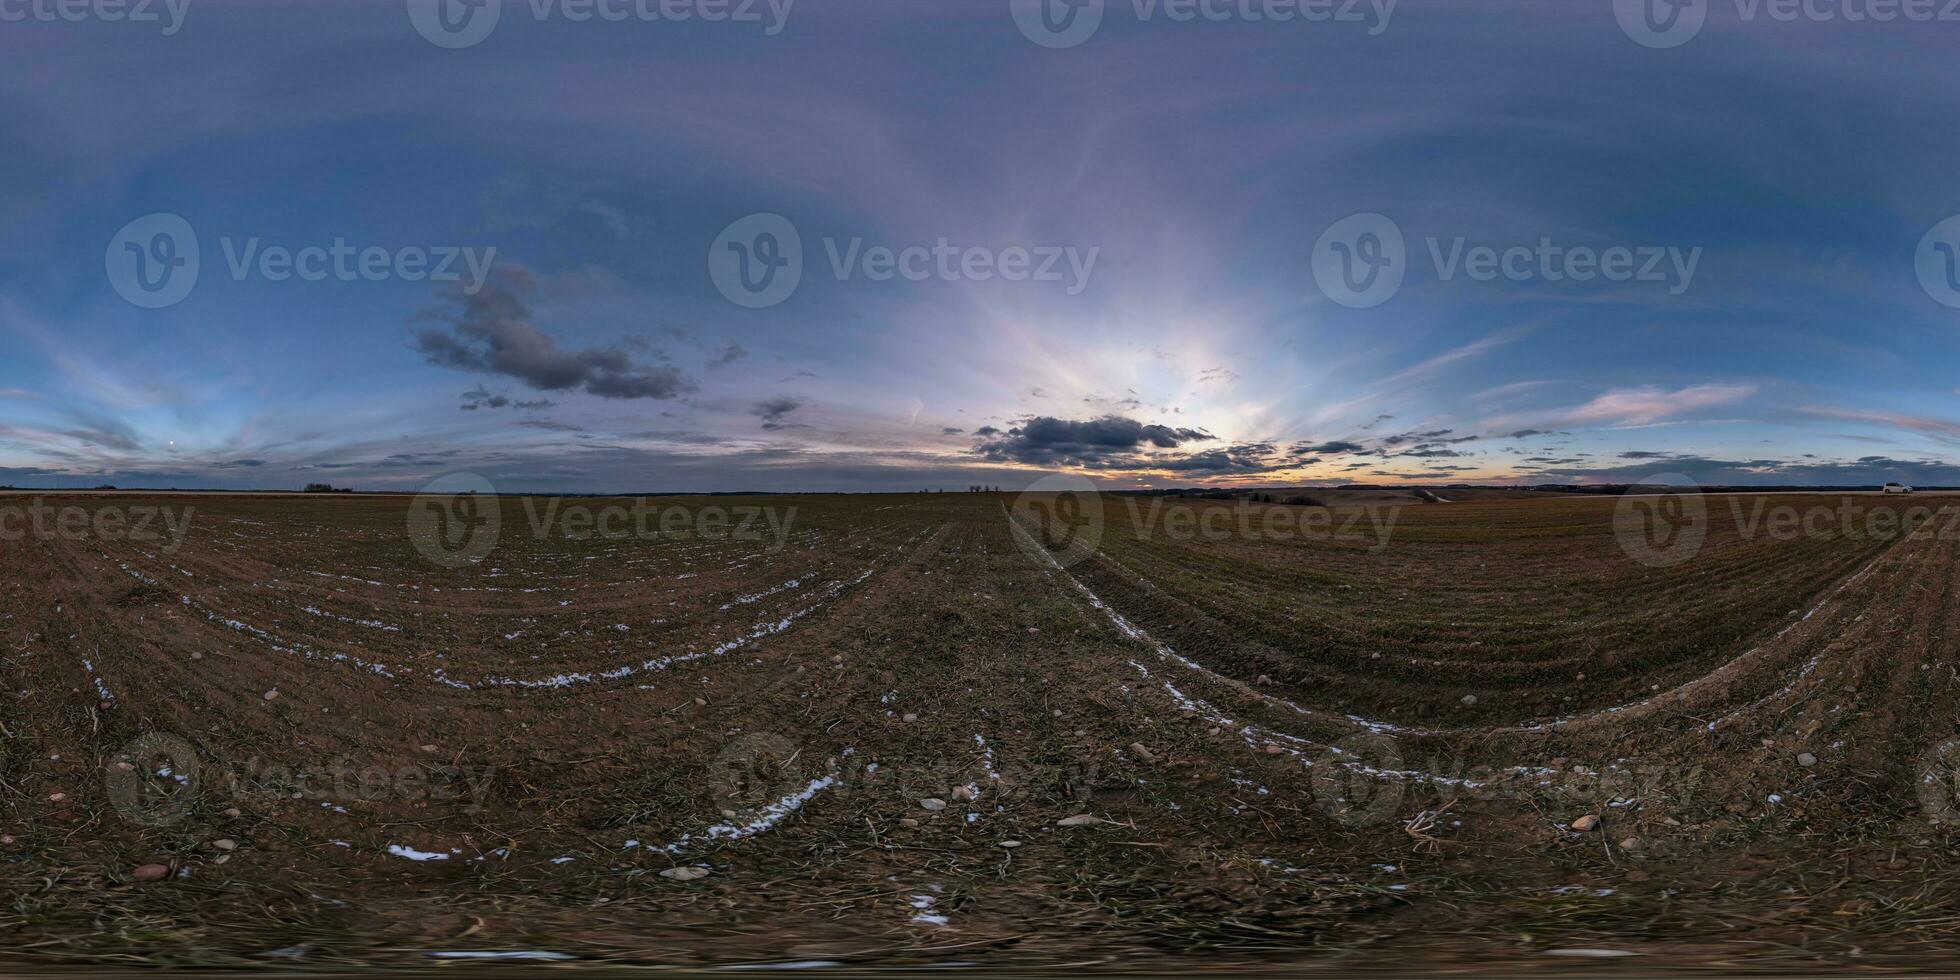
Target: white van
1897	488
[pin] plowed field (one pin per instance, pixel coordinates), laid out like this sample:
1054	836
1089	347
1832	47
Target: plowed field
854	729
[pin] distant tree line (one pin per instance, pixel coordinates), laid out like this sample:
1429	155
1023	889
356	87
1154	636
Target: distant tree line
324	488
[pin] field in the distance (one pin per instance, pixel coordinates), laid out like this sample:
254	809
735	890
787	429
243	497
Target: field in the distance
867	719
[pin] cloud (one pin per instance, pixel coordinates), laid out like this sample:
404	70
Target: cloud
550	425
772	411
1623	407
1941	429
491	332
952	431
100	431
1102	442
728	355
246	463
481	398
1329	448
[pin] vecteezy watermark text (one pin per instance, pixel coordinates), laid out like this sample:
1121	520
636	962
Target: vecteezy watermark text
1361	261
1666	24
466	23
155	261
1066	23
757	261
1665	520
140	524
158	779
457	520
169	13
1370	524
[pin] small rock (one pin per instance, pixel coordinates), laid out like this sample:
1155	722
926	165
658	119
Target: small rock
6	838
125	767
685	873
909	718
1079	820
1274	749
197	656
57	797
701	702
225	844
932	803
908	823
1141	751
1806	760
272	695
150	872
1469	699
962	793
1010	844
1213	733
1263	681
729	814
1587	823
233	812
427	748
1630	844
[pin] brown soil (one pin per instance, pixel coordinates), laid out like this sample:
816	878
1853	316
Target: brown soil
565	719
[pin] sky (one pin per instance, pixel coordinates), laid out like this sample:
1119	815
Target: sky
878	245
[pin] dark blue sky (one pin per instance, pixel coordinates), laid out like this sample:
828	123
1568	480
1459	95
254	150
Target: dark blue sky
1117	245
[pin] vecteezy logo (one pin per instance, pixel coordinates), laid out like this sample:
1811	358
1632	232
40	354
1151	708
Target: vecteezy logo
1058	23
153	261
755	770
1358	780
1661	23
455	23
1939	777
153	780
1058	520
1661	521
757	261
1938	262
455	520
1359	260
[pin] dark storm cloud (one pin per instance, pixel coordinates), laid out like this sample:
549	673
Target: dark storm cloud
491	332
1102	442
480	397
1337	448
772	411
1241	459
1436	435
